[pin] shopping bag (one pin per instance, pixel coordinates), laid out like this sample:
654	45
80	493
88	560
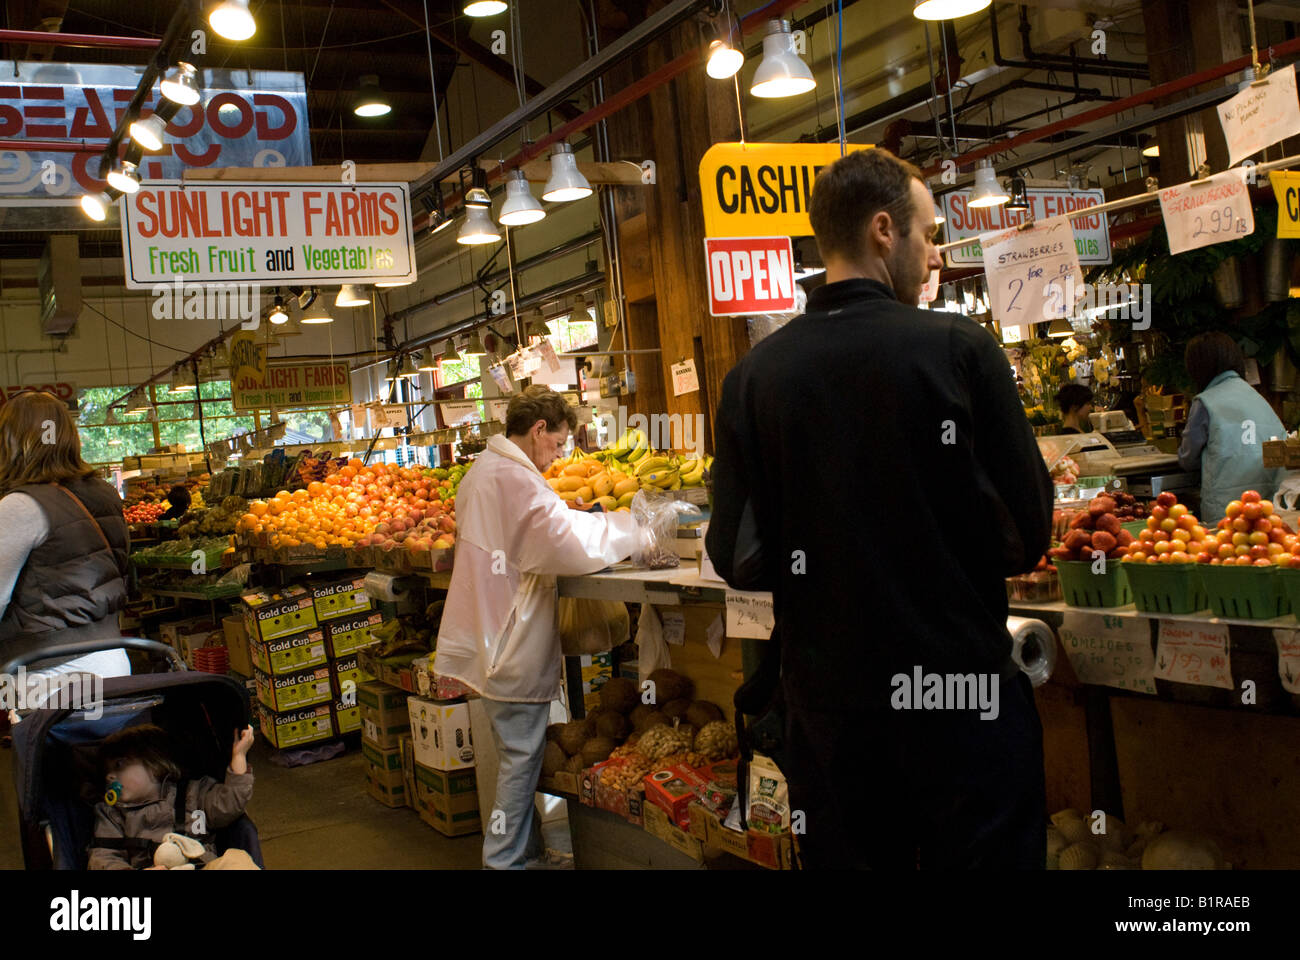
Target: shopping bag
591	626
652	648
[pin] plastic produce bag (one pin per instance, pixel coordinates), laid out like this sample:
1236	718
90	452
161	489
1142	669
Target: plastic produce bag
652	648
658	518
592	626
1288	493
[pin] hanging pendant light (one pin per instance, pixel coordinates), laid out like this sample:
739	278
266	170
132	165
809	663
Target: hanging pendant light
1060	327
125	177
151	413
478	227
537	325
278	314
449	354
181	84
1019	195
182	380
149	132
725	60
427	361
232	20
221	356
567	182
386	284
350	295
95	205
110	417
988	192
371	101
408	369
137	402
478	195
316	313
521	206
439	220
947	9
473	347
782	72
1150	147
484	8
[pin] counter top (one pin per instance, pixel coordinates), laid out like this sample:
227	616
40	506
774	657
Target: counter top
1022	608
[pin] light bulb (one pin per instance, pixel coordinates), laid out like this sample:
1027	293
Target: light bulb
125	177
149	133
567	182
725	60
782	72
181	84
231	20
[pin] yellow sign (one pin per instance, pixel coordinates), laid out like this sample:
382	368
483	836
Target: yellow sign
1286	186
247	356
762	189
302	384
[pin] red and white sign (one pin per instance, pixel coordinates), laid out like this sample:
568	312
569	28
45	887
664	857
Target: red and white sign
64	391
750	275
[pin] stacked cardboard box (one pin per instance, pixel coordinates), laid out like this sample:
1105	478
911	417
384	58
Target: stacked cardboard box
186	636
343	610
385	726
442	747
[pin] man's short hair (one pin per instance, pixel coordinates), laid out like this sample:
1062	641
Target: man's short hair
851	191
1072	396
538	403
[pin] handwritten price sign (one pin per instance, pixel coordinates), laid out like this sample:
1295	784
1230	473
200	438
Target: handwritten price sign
1261	115
1288	659
1203	212
749	614
1188	652
1109	651
1024	266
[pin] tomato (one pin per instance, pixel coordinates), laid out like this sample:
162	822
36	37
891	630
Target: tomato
1158	514
1166	499
1252	511
1250	496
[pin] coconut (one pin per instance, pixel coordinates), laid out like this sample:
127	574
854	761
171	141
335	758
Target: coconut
701	713
613	725
573	764
670	685
553	731
589	722
676	709
618	694
597	749
552	759
572	737
652	718
639	712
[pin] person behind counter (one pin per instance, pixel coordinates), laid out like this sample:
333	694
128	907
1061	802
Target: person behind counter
1227	425
179	498
1075	401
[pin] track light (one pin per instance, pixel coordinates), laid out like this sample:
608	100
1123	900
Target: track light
947	9
782	72
371	101
988	192
1150	147
439	220
231	20
484	8
725	60
350	296
478	227
278	314
95	205
316	313
567	182
521	206
1019	195
181	84
125	177
149	132
449	354
473	347
428	361
385	284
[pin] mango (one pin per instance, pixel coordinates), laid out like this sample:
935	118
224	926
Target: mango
554	484
607	503
626	499
601	484
569	495
568	484
625	487
576	470
585	494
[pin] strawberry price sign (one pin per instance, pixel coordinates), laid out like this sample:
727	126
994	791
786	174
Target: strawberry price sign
1197	653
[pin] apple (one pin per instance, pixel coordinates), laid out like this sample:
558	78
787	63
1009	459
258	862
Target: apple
1258	553
1263	563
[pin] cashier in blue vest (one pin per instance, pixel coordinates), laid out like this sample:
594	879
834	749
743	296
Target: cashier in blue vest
1226	426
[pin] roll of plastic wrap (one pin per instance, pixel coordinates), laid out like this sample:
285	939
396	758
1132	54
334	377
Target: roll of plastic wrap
383	586
1033	648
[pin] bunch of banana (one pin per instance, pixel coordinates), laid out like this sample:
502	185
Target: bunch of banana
692	472
632	447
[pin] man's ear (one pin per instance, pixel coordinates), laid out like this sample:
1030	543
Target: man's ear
881	229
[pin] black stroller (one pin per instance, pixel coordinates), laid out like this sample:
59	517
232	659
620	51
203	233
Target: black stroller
56	769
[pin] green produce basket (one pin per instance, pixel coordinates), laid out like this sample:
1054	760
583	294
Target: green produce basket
1080	587
1167	587
1245	593
1289	578
1134	526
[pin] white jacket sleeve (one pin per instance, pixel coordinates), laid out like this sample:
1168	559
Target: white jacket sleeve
554	540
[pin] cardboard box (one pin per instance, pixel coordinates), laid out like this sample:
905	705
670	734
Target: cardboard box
628	804
1282	453
434	686
407	749
386	764
658	824
270	616
447	800
289	654
186	636
237	651
340	598
297	727
673	789
772	850
384	714
347	717
302	688
347	670
394	671
440	733
388	795
596	670
348	634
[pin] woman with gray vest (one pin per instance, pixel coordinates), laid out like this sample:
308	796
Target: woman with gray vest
63	541
1226	427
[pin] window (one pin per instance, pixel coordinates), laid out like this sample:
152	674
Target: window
463	369
178	422
573	332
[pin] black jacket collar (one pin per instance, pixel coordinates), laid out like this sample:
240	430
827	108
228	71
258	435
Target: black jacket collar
848	293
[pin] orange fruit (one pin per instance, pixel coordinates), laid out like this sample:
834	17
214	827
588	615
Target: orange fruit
299	496
315	488
257	508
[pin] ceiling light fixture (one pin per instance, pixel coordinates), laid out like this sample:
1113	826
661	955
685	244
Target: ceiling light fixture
449	354
316	313
95	205
371	101
180	84
1019	195
149	132
567	182
1060	327
484	8
725	60
782	72
521	206
478	227
125	177
428	361
988	192
473	347
947	9
231	20
350	296
278	314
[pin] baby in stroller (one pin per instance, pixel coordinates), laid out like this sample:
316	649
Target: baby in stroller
153	819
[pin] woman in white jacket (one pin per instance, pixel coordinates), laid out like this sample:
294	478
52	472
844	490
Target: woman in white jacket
499	633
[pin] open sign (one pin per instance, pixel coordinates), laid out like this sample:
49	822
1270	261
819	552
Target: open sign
749	275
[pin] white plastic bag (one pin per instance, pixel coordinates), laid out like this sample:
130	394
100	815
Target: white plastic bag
652	648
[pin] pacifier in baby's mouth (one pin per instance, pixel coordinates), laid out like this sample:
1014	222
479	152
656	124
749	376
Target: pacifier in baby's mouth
113	793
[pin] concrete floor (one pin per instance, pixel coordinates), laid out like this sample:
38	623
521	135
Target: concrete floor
320	817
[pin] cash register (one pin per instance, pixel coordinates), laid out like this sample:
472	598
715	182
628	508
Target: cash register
1115	448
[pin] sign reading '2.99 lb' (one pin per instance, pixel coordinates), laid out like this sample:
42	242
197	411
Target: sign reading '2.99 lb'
267	233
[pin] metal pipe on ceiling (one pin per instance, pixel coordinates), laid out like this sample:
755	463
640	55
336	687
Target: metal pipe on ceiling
1046	61
44	38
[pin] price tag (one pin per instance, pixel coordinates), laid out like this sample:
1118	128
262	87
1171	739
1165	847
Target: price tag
547	354
461	411
497	410
715	634
1110	651
930	289
388	415
1288	659
749	614
1202	212
685	379
674	624
1028	271
501	376
1190	652
1261	115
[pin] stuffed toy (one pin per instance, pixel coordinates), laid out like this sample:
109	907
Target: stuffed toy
178	852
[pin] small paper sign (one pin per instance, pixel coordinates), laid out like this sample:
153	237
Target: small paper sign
384	415
685	379
1027	271
501	376
714	636
1286	187
930	289
1109	651
497	410
461	411
1191	652
749	614
547	353
1288	659
1202	212
1263	114
674	624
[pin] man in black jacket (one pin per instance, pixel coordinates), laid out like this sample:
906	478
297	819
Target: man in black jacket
894	483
